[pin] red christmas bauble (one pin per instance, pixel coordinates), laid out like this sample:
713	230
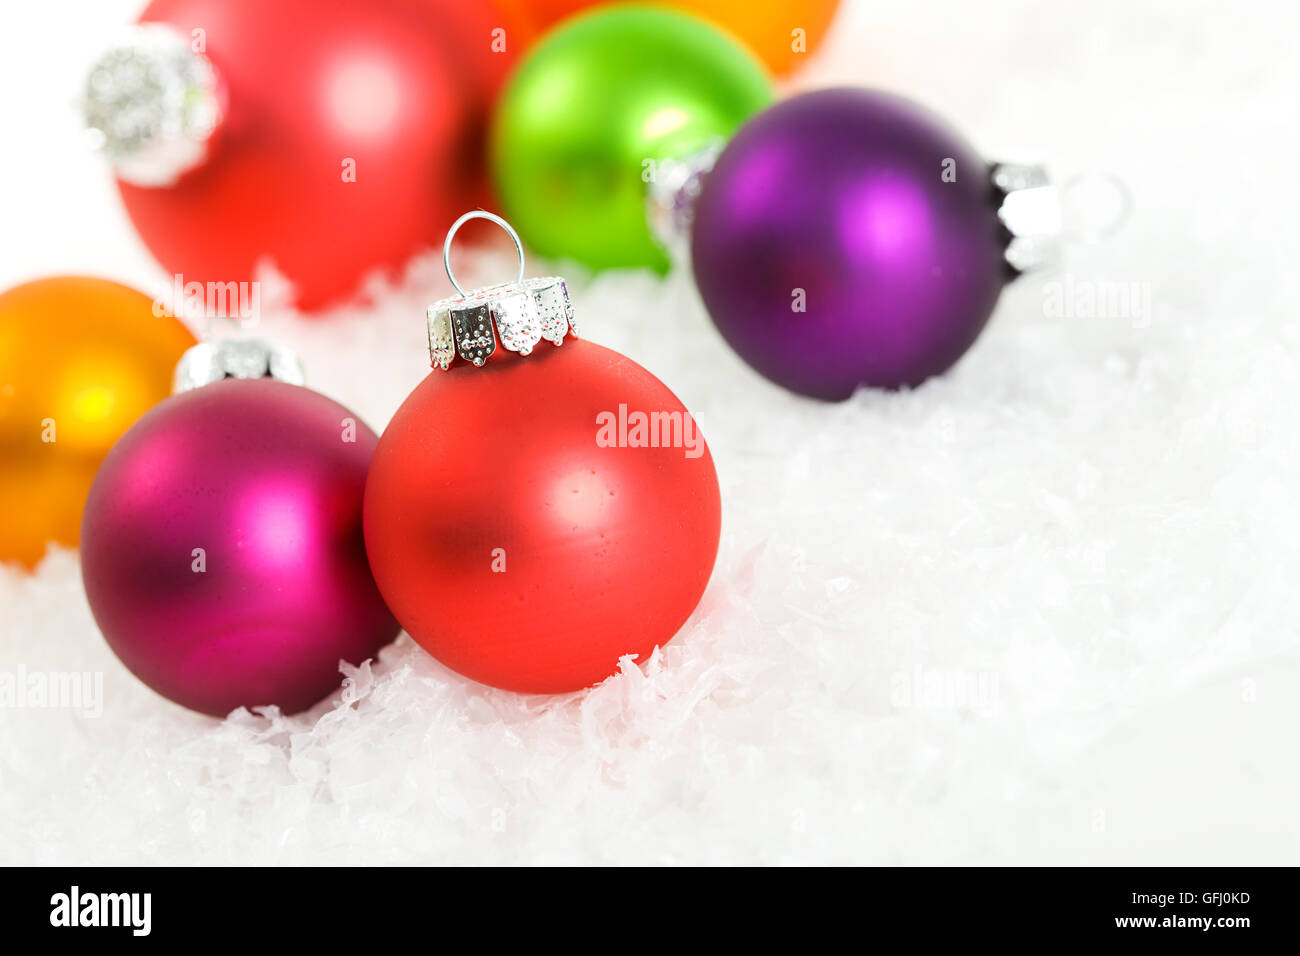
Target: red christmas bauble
532	521
351	136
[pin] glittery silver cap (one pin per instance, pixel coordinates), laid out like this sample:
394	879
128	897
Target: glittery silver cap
516	315
151	105
670	200
210	362
1031	211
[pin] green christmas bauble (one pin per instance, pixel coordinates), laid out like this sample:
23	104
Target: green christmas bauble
596	109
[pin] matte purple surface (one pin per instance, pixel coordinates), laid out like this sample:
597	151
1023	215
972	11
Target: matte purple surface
840	193
257	474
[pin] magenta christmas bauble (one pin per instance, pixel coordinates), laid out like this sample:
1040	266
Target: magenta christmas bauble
222	549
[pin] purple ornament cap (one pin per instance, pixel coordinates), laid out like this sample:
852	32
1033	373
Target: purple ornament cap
848	237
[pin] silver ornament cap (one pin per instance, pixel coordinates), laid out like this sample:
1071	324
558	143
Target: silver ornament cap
1043	217
210	362
1031	211
151	105
673	193
514	316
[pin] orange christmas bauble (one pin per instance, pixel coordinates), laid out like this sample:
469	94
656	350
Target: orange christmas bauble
782	33
80	360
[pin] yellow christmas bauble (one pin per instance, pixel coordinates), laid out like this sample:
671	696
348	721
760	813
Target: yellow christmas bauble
80	360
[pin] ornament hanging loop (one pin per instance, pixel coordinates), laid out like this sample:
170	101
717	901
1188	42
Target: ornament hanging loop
1095	204
1041	217
515	315
491	217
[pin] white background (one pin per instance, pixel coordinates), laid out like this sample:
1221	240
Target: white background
1092	518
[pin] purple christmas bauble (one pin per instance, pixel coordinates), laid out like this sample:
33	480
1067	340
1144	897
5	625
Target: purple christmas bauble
847	237
222	550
